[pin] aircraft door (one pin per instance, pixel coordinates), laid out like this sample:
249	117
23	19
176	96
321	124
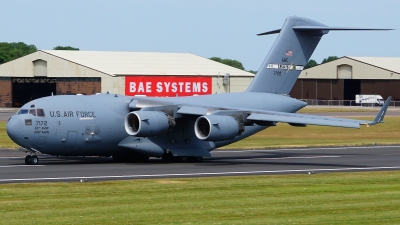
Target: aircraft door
71	139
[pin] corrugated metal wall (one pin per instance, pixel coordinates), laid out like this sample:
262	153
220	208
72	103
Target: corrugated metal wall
323	89
385	88
72	86
337	89
332	89
5	91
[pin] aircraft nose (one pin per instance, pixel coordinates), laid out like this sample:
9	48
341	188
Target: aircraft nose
15	129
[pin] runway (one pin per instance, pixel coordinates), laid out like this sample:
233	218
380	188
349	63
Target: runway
223	163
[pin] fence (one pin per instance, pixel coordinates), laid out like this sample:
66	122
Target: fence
315	102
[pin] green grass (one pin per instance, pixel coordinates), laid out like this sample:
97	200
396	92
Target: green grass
336	198
330	198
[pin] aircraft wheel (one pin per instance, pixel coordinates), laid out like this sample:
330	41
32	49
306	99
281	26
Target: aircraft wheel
198	159
117	158
167	157
34	160
142	159
130	158
28	159
184	159
164	158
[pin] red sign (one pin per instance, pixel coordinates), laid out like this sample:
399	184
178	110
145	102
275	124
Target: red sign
167	86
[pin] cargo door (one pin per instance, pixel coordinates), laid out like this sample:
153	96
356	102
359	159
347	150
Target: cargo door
71	139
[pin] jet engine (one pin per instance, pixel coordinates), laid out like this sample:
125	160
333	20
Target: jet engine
148	123
217	128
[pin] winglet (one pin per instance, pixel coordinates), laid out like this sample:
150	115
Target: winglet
381	114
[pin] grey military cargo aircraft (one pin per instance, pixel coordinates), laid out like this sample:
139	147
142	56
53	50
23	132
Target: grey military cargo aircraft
184	128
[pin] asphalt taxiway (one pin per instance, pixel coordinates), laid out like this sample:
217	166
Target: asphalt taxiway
223	163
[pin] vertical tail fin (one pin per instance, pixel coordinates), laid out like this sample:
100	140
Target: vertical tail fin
291	51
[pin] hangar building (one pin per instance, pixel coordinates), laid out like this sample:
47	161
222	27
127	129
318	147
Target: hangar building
58	72
180	74
345	77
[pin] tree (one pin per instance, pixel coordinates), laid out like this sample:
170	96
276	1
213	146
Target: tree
330	58
252	71
14	50
311	63
65	48
229	62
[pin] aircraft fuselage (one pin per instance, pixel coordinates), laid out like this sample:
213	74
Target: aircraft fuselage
94	125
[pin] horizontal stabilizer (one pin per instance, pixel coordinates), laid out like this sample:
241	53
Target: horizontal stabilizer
319	28
270	32
315	28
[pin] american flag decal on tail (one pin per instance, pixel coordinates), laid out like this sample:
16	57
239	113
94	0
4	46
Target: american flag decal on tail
289	53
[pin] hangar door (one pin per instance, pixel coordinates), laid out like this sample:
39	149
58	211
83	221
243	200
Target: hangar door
351	87
27	89
344	72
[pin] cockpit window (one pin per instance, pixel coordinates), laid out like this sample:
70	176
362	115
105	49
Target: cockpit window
22	111
32	111
40	112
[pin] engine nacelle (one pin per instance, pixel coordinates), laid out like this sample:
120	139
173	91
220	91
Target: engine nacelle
148	123
217	128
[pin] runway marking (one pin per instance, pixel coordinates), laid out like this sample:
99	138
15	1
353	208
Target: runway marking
294	157
305	157
12	157
201	174
300	149
19	166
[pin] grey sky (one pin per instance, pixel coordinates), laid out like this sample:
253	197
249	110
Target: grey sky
223	28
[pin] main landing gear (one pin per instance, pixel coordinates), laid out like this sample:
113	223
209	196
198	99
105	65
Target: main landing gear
31	160
130	158
168	157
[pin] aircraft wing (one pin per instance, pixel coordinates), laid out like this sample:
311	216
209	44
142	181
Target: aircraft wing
304	119
193	110
293	119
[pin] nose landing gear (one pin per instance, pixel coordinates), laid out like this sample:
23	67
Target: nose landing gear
31	160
